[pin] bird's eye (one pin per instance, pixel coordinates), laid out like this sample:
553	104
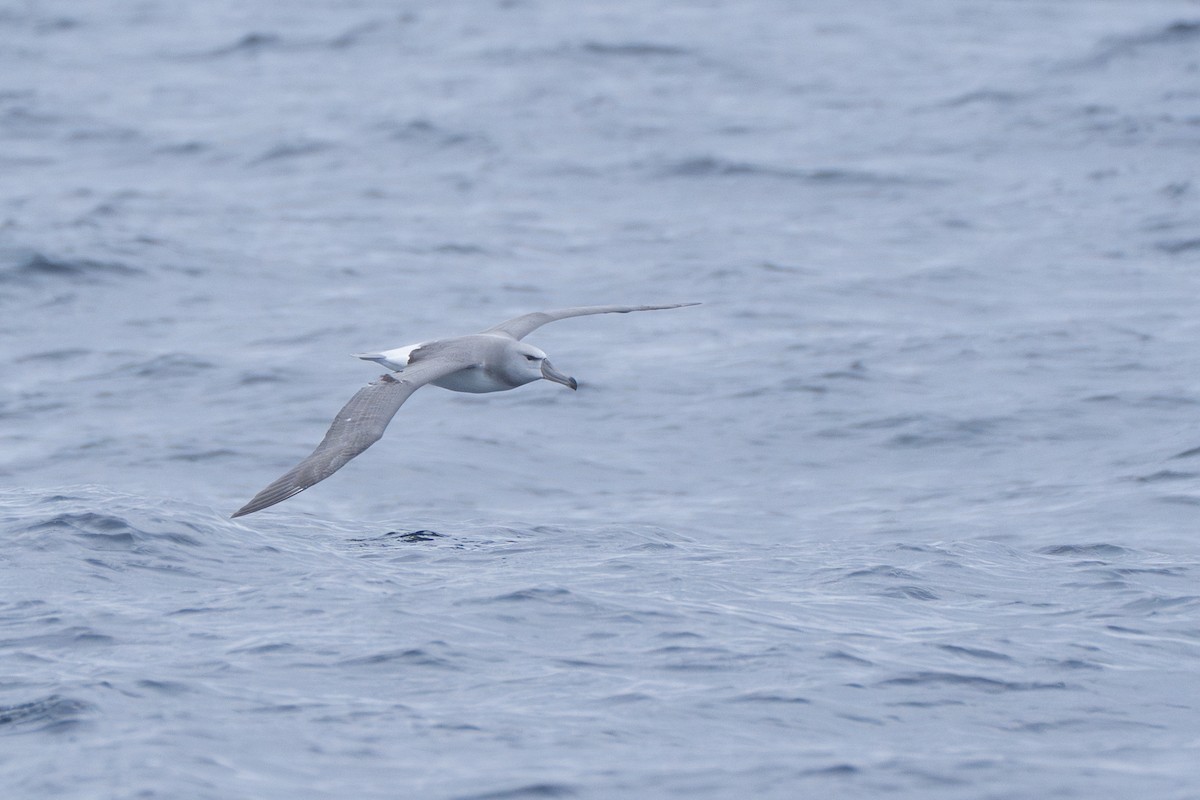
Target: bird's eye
531	358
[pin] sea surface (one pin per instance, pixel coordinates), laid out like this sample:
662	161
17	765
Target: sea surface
908	508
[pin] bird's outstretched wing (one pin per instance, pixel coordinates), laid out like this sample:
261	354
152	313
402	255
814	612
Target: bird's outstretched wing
522	326
357	426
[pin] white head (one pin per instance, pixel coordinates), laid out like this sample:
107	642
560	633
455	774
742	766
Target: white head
527	363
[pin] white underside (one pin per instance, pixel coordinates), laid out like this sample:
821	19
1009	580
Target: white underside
473	379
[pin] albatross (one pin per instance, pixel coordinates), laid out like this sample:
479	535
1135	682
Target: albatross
494	360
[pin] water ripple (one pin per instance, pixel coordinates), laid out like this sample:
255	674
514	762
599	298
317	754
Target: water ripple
51	713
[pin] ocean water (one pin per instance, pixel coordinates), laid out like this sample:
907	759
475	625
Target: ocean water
909	507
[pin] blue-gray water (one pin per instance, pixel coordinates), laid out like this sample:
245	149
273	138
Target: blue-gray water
908	508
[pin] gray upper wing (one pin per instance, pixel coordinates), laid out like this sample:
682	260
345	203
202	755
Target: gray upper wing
359	424
522	326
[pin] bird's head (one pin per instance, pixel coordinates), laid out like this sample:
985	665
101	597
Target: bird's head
531	364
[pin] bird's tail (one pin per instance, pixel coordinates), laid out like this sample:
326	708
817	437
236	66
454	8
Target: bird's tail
382	359
395	360
378	358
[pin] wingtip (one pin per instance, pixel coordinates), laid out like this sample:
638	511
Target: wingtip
660	308
259	502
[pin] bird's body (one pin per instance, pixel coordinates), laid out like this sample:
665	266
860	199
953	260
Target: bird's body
492	361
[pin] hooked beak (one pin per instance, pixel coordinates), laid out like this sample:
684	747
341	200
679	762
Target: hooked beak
551	374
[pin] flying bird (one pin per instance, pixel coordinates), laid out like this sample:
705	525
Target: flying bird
494	360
